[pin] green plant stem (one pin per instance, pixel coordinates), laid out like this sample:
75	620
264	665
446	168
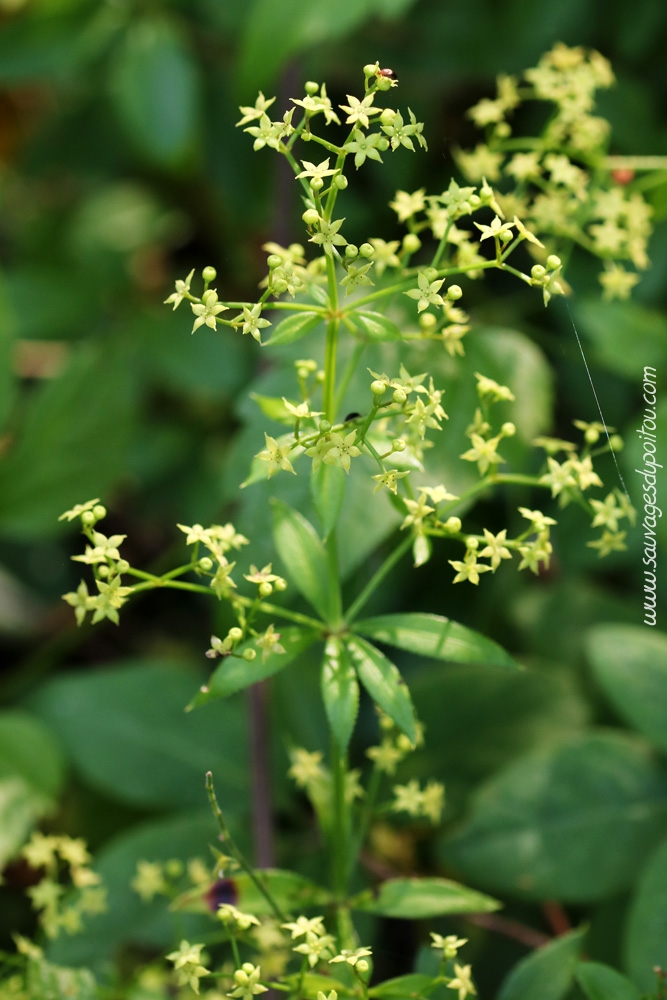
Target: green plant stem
236	853
331	347
377	578
341	832
349	371
336	606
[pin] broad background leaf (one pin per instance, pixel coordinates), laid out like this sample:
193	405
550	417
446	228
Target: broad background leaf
128	735
420	898
541	828
630	664
547	973
646	936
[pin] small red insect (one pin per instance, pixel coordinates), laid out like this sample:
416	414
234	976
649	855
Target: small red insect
389	73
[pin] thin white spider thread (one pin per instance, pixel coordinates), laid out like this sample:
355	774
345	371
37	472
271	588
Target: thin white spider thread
597	402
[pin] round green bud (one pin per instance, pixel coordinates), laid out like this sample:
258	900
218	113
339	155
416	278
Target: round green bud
279	286
103	570
295	249
273	261
503	130
617	442
362	965
99	511
384	83
591	435
465	207
454	293
311	87
302	372
340	180
88	517
306	136
398	444
351	251
486	191
325	426
474	200
383	144
387	117
209	274
249	654
174	868
316	183
319	375
453	524
553	262
366	250
235	633
378	387
205	563
122	565
370	69
265	589
431	273
427	321
288	267
472	543
506	237
209	296
411	243
280	584
399	395
508	429
311	217
537	272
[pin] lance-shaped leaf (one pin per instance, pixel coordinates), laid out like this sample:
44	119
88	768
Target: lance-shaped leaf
375	326
384	684
327	488
436	637
234	673
415	984
600	982
340	692
416	898
303	555
294	328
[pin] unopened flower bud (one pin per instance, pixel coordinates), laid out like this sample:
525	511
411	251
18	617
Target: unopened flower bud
122	565
340	180
398	444
235	633
316	183
472	543
88	517
279	286
431	273
508	429
453	524
411	243
209	297
265	589
427	321
537	272
280	584
387	117
103	570
249	654
384	83
273	261
399	395
311	87
319	375
370	69
209	274
362	965
99	511
616	442
474	201
310	217
366	250
553	262
351	251
454	293
383	144
325	426
503	130
205	563
378	387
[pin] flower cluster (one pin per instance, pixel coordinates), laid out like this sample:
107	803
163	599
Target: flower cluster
61	906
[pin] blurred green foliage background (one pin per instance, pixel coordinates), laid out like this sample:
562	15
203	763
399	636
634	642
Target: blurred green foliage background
120	169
